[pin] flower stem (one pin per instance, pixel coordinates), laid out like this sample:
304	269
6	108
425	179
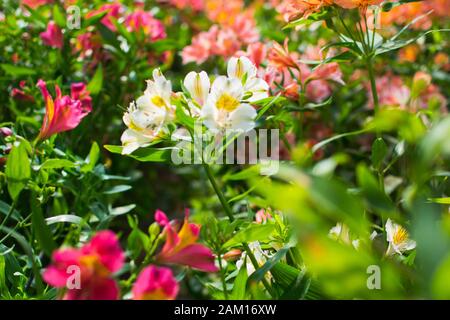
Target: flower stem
372	83
222	277
229	213
10	211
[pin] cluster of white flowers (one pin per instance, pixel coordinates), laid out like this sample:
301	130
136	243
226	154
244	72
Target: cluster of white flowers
397	237
223	105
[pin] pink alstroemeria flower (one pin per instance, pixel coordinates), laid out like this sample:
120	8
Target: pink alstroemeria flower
112	14
96	261
181	247
33	4
64	113
155	283
142	20
53	36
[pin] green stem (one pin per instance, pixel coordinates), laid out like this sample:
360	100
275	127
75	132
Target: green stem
222	276
11	210
372	83
229	213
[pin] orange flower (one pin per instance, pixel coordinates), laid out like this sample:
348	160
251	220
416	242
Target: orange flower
280	57
295	9
361	4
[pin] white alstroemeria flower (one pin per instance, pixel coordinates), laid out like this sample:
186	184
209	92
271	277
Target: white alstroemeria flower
146	118
198	86
259	255
243	69
145	123
224	109
157	94
398	239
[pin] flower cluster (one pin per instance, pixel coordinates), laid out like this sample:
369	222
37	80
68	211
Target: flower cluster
88	273
224	104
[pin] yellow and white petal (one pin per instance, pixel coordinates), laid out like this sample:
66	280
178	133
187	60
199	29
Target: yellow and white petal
231	87
198	85
132	140
258	88
238	67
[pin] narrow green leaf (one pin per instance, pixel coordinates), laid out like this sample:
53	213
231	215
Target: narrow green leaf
96	84
57	164
240	285
42	231
18	169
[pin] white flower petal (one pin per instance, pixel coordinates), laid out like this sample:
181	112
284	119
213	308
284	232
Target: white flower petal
198	85
243	118
258	88
238	67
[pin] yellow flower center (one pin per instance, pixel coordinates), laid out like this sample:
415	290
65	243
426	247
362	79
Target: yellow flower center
158	101
227	103
92	263
400	236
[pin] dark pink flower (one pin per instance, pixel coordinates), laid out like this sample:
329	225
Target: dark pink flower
181	247
53	36
64	113
155	283
96	261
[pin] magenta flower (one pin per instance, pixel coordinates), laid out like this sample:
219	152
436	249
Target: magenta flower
64	113
96	261
155	283
181	248
53	36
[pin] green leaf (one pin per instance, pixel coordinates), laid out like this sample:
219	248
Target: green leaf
259	274
379	151
440	200
118	189
64	218
254	232
91	160
183	118
240	285
370	188
3	288
388	6
96	84
17	71
145	154
29	252
57	164
18	170
58	16
298	288
42	232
